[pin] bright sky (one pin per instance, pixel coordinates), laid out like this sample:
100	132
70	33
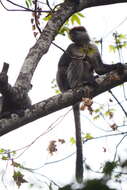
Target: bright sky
16	38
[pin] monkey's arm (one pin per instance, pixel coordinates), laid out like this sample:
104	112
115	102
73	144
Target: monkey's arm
101	68
63	64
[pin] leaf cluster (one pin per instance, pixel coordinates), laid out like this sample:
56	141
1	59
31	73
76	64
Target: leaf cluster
120	41
74	19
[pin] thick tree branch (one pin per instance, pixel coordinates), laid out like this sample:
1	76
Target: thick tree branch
61	101
94	3
48	34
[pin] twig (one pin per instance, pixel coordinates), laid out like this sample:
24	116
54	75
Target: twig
36	19
50	128
118	146
56	161
118	102
23	8
17	5
58	47
105	136
47	2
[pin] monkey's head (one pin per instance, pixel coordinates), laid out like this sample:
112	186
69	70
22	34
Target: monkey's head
79	35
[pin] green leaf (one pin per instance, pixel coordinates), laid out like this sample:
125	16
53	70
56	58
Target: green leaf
122	36
13	152
57	91
47	18
27	4
72	140
124	44
4	158
96	117
88	136
75	18
80	14
30	2
112	48
55	86
109	111
64	29
2	151
97	110
31	185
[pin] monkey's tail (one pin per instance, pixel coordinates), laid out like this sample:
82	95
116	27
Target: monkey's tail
79	155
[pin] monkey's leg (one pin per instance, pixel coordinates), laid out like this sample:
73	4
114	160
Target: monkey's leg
79	155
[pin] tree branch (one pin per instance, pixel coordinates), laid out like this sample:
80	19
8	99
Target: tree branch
61	101
94	3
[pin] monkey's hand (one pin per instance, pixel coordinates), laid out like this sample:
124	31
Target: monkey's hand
92	83
120	68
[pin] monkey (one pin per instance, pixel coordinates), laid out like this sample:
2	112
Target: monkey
76	67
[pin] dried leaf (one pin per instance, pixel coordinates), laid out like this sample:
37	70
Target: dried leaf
62	141
35	34
32	20
15	164
86	104
18	178
114	127
33	27
52	147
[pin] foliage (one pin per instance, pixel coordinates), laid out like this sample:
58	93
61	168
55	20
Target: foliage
94	184
55	87
109	167
74	19
38	16
120	41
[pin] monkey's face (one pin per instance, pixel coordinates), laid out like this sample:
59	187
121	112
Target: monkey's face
79	36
